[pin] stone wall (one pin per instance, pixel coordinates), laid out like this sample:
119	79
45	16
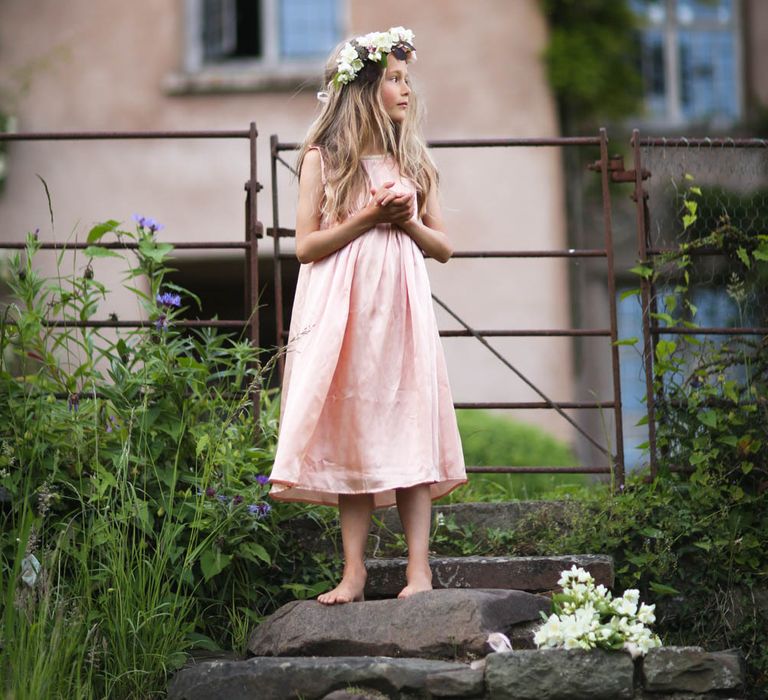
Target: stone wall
666	673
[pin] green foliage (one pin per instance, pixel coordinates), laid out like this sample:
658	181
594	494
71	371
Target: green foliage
592	59
133	471
489	440
699	539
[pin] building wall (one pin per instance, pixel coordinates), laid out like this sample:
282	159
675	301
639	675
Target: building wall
108	65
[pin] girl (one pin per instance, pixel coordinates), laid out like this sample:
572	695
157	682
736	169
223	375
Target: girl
367	417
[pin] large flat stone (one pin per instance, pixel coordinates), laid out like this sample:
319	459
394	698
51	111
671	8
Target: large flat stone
692	669
386	577
309	678
559	674
448	624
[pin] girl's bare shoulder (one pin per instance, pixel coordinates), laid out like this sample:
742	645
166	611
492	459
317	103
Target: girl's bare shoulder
311	175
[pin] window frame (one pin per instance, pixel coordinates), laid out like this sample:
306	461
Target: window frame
267	73
670	29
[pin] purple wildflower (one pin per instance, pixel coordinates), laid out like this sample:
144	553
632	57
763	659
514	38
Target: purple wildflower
253	508
112	423
167	299
237	500
262	479
146	222
210	492
264	509
162	322
223	498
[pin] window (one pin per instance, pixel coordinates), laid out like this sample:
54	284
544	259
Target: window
690	60
257	44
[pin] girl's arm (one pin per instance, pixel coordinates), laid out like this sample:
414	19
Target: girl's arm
312	242
428	233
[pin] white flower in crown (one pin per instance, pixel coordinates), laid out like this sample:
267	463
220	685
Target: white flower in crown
402	34
371	47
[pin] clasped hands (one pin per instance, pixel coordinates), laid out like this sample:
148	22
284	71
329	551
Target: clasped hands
389	207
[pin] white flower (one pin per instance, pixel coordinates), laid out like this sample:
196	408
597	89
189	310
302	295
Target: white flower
645	614
632	594
589	617
402	34
625	606
571	643
347	54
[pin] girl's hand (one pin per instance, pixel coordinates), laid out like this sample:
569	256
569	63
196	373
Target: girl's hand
389	207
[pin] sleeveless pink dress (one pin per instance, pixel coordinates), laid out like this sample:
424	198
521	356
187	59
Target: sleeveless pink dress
366	406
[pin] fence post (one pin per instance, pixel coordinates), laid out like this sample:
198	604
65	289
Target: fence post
604	178
252	231
640	196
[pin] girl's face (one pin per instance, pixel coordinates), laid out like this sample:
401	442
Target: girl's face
395	89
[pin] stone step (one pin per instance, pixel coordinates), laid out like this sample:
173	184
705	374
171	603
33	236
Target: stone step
315	678
444	624
666	673
386	528
386	577
505	515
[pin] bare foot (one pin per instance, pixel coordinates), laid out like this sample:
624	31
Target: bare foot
349	590
419	579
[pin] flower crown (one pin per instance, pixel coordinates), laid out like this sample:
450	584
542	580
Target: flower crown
367	54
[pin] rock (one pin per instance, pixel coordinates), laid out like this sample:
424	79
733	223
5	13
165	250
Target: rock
386	527
355	694
312	678
386	577
447	623
458	683
692	669
559	674
507	515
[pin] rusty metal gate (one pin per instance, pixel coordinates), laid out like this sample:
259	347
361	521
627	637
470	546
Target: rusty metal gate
609	169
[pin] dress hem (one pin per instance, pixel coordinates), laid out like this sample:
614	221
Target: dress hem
278	497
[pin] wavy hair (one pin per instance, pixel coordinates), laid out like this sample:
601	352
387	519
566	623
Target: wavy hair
354	115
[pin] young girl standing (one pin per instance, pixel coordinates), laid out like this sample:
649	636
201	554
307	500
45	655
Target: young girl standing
367	417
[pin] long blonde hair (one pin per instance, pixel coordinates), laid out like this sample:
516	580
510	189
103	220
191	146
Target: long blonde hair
354	115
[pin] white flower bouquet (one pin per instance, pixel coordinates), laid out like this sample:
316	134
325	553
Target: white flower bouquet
587	617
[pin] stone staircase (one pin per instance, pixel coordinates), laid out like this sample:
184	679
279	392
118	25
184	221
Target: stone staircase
434	644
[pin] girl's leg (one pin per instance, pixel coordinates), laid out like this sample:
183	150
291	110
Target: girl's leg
415	507
355	516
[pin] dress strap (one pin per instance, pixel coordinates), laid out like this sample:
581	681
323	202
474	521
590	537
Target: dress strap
322	163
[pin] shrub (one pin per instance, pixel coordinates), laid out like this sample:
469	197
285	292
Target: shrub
134	523
490	440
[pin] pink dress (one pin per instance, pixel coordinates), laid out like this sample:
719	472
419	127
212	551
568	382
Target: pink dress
366	406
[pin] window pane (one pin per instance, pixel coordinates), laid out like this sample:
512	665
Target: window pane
652	11
231	28
652	70
248	28
707	75
218	27
308	28
709	10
